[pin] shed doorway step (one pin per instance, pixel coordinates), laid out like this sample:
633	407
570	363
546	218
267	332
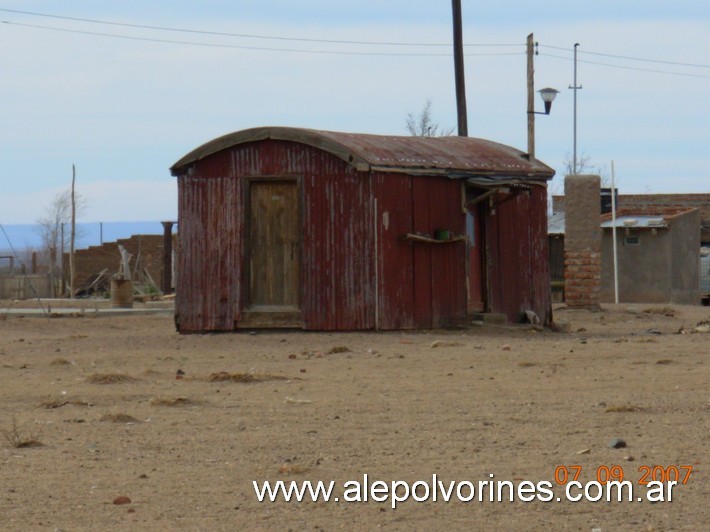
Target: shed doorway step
271	318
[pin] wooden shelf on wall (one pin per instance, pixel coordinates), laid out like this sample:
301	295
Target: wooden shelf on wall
428	240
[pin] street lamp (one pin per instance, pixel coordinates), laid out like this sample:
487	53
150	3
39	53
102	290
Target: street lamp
548	96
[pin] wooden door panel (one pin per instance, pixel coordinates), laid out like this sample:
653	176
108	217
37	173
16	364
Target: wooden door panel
274	244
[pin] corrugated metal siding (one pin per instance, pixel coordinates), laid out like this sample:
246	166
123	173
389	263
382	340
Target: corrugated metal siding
209	263
420	285
338	246
517	251
395	257
448	261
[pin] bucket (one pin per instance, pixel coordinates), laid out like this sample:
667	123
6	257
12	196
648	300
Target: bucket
121	293
442	234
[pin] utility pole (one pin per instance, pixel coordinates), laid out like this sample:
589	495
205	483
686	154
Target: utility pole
575	88
531	97
73	233
459	70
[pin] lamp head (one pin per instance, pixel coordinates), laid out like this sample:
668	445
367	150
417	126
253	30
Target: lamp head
548	96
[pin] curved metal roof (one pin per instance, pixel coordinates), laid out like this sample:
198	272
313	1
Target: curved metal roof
456	157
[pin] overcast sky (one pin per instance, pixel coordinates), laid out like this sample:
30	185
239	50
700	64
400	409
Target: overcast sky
123	104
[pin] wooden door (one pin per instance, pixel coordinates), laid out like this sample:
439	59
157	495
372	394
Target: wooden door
274	243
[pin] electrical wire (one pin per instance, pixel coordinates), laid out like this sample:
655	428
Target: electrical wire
630	58
245	47
332	41
626	67
244	35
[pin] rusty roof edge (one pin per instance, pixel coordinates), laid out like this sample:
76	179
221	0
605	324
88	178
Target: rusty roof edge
311	137
491	177
331	142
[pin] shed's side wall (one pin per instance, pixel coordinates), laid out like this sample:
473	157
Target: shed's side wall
517	256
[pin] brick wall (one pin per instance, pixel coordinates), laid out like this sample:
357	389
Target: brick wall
146	251
582	242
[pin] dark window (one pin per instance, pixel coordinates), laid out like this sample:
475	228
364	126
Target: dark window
632	241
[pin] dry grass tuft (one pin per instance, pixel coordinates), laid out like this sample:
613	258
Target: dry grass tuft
60	362
118	418
663	311
338	349
623	408
224	376
109	378
173	401
293	469
525	364
20	441
58	403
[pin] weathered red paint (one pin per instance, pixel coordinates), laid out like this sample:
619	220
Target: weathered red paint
516	242
356	269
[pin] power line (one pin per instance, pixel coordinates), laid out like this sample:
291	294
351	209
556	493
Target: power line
245	47
630	58
329	41
626	67
244	35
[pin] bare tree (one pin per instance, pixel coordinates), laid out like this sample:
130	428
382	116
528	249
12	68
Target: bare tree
423	125
585	165
53	228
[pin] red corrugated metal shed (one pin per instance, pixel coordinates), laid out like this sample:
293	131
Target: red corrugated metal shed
383	234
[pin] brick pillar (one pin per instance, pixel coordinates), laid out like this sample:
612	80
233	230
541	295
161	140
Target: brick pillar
582	242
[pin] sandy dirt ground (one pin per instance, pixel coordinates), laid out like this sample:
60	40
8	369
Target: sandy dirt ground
100	397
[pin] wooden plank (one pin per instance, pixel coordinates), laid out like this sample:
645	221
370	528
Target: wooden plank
429	240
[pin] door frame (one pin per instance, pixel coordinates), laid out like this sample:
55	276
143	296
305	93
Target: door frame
476	206
247	246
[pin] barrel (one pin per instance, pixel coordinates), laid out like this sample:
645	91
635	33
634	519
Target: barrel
121	293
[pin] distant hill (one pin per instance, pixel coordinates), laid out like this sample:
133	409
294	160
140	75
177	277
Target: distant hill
24	236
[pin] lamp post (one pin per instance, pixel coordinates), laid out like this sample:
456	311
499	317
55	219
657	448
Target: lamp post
547	94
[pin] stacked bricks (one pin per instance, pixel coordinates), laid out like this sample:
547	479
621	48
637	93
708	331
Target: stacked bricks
147	249
582	242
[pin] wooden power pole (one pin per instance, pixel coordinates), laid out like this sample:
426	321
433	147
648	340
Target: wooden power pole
459	70
531	97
